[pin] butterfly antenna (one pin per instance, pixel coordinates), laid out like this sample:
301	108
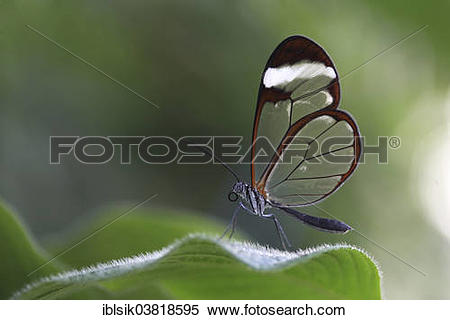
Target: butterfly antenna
226	166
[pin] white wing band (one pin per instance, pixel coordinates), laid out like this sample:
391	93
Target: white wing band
282	76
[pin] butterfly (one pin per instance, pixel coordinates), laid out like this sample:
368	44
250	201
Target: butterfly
297	106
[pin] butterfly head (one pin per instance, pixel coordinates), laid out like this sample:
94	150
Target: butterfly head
237	191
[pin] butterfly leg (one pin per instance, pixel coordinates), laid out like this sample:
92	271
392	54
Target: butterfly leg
247	209
281	231
234	219
281	234
232	224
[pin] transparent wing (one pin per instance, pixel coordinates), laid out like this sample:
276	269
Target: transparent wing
298	79
316	156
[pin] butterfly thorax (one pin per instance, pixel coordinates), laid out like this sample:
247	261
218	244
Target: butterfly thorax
255	200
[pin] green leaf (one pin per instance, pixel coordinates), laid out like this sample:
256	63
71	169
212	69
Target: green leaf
143	230
200	267
20	255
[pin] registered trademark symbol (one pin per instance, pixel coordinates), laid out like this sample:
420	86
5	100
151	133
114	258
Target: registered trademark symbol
394	142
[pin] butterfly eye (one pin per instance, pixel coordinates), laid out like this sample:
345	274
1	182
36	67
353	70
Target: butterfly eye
232	196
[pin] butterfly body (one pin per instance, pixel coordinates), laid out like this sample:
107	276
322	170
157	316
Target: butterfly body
255	200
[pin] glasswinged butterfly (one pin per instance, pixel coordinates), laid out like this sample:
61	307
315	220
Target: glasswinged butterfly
298	99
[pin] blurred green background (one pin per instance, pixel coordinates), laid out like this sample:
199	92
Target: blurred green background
201	61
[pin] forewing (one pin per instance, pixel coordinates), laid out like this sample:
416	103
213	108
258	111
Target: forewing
317	155
298	79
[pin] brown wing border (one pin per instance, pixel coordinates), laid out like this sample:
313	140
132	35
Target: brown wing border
290	50
338	115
